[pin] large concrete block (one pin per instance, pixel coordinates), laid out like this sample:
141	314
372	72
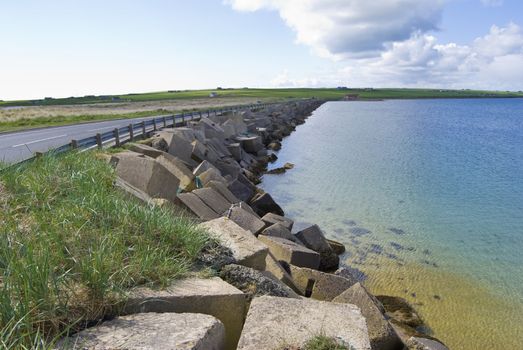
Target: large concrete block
236	150
320	285
314	239
251	144
213	199
211	175
210	296
146	150
246	249
197	206
179	169
149	176
381	334
181	148
274	321
203	167
278	230
152	331
241	191
115	158
263	203
291	252
246	220
271	218
274	267
223	190
228	166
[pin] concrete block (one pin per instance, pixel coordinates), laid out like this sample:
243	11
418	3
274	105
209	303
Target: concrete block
210	175
213	199
236	150
241	191
278	230
197	206
148	176
181	148
314	239
291	252
271	218
246	249
320	285
203	167
146	150
211	296
115	158
381	334
277	271
274	321
246	220
263	204
179	169
152	331
223	190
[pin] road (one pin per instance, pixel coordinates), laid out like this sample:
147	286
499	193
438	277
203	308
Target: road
21	145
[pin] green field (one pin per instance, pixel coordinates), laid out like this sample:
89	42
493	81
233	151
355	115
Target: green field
273	94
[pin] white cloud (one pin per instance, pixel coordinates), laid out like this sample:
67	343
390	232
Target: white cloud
350	28
492	3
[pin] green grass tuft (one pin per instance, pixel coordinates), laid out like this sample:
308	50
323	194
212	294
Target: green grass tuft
71	245
322	342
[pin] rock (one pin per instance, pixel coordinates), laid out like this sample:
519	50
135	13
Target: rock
274	267
235	150
211	296
288	166
400	310
314	239
351	273
116	157
202	167
179	169
276	171
273	321
337	247
241	191
417	343
246	219
145	150
381	334
319	285
213	200
151	331
271	218
290	252
274	146
211	175
251	144
215	256
254	283
149	176
228	167
263	204
278	230
181	148
160	144
223	190
246	249
197	206
272	158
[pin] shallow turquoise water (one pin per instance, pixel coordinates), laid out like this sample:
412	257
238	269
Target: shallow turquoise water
438	183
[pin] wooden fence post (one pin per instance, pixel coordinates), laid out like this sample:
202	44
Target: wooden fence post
74	144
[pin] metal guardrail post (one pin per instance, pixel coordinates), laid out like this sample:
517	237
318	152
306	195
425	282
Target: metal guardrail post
164	122
200	114
144	132
154	125
116	134
74	144
99	140
208	113
183	118
131	132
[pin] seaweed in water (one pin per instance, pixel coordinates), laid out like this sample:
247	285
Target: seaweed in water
339	230
349	222
397	246
397	231
359	231
376	248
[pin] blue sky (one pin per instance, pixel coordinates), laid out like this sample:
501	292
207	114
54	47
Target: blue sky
64	48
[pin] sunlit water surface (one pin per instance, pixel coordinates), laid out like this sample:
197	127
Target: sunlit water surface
428	197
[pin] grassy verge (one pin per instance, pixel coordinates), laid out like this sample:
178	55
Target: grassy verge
71	244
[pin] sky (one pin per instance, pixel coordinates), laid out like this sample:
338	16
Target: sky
61	48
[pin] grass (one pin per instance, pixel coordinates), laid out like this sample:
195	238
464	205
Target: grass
71	245
322	342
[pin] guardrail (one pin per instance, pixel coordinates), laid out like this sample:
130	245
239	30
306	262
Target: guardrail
120	136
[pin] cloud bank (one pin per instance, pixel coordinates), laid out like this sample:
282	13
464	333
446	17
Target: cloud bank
391	43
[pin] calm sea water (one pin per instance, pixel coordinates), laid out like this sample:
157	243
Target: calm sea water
428	197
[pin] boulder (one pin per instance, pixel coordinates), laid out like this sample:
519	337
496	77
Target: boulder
246	249
211	296
255	283
271	218
418	343
145	150
319	285
223	190
290	252
213	199
273	321
263	204
274	267
179	169
314	239
278	230
149	176
382	335
245	219
197	206
151	331
337	247
181	148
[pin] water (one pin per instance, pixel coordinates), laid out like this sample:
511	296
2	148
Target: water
428	197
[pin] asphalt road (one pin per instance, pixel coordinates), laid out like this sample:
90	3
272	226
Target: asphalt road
21	145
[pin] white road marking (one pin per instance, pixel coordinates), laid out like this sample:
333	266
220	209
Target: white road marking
36	141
